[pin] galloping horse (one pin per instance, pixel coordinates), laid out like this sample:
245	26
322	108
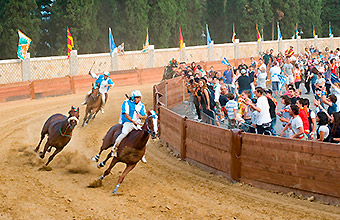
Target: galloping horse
132	147
93	104
59	129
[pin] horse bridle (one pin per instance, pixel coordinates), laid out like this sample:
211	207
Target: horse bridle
68	125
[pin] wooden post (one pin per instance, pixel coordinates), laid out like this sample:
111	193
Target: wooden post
235	154
32	92
139	76
73	88
166	94
183	84
154	98
183	128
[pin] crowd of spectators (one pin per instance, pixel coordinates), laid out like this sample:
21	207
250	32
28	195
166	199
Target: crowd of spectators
246	96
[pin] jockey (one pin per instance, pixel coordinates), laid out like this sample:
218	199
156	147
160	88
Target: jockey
104	85
133	110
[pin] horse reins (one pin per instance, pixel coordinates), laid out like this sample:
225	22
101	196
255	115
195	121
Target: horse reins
68	125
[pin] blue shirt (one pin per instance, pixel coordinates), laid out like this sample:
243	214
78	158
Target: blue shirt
101	79
132	109
228	75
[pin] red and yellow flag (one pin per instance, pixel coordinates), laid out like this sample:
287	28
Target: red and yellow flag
313	31
258	34
69	43
180	39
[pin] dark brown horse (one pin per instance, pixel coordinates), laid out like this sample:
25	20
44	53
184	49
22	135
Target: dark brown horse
59	129
93	104
132	147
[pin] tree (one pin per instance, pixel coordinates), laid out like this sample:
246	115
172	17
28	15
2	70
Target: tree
330	10
43	14
215	18
310	11
105	19
80	17
286	12
130	23
190	25
162	19
16	15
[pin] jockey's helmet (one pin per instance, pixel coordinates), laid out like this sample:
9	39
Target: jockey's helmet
106	73
135	93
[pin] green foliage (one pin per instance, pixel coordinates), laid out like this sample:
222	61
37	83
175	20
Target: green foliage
215	18
287	13
16	15
80	17
130	22
329	12
45	22
162	20
310	11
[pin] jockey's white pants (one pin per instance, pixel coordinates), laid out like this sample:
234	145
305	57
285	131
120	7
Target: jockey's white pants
103	98
127	128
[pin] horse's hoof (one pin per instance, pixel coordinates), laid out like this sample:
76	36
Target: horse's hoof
41	155
95	158
100	165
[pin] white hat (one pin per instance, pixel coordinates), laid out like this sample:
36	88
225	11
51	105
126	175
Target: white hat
243	71
106	73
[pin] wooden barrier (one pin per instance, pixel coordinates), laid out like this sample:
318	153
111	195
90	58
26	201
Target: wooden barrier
51	87
170	128
15	91
303	165
208	145
306	167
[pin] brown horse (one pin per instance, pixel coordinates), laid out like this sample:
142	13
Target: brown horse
59	129
131	149
93	104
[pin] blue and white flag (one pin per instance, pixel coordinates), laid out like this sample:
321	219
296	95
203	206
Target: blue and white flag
329	30
111	43
282	81
279	36
225	62
208	36
334	78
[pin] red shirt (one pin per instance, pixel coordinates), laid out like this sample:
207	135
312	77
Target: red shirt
303	113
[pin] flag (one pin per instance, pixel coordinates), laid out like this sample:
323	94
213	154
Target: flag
282	81
69	43
24	44
313	31
234	34
180	39
111	43
296	31
279	36
208	36
225	62
329	30
258	34
146	45
334	78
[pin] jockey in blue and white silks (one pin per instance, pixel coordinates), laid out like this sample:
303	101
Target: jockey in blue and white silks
133	110
104	83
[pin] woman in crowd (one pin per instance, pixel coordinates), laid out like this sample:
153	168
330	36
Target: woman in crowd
322	131
297	76
335	127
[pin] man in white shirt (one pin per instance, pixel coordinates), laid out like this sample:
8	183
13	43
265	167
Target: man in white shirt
263	118
261	74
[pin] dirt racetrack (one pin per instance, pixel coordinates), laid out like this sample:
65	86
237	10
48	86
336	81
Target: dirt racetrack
164	188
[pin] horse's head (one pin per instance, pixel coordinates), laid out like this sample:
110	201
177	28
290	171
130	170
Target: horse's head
152	124
95	90
73	117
